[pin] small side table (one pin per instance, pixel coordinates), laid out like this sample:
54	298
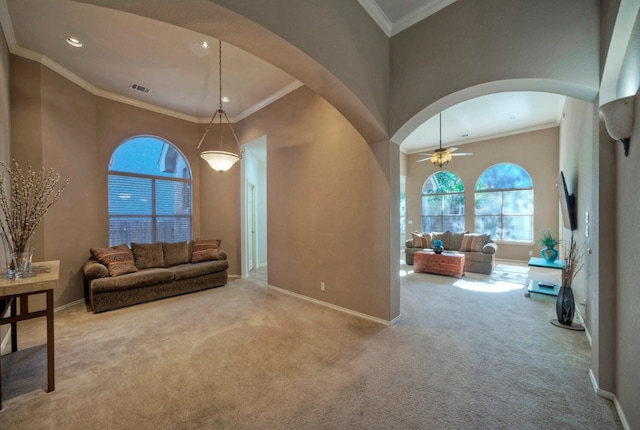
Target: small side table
541	262
44	280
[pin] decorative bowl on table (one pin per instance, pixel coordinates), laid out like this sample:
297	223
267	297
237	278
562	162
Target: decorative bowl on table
438	246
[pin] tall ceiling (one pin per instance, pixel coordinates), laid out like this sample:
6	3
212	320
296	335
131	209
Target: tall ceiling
121	49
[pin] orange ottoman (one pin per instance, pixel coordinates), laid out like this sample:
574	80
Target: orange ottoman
441	264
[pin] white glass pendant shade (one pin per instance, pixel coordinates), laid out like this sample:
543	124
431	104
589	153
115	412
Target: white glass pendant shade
220	161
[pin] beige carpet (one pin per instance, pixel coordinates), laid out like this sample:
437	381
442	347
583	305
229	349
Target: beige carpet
467	354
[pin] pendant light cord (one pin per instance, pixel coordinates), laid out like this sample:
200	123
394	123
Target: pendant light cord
220	110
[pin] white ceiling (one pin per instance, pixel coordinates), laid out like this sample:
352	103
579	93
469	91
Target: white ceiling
121	49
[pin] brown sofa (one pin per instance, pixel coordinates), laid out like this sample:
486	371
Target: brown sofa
121	276
479	249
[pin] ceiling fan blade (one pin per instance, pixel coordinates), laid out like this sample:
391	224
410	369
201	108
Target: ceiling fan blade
424	159
462	153
453	148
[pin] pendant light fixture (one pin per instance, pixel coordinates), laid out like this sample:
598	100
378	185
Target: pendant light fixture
220	160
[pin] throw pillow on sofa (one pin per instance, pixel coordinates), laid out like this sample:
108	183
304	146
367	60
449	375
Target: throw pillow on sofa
418	240
205	250
175	253
473	242
118	259
147	255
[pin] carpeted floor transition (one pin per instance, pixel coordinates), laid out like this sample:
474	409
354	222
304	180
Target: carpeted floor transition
467	354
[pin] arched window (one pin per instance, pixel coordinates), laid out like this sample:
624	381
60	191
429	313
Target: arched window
149	193
443	202
504	203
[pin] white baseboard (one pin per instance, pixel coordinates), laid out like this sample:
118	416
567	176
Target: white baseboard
68	305
337	308
609	396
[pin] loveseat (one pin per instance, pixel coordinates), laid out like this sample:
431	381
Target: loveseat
479	249
122	276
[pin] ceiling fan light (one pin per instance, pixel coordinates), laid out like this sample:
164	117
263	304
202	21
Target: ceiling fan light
440	158
220	161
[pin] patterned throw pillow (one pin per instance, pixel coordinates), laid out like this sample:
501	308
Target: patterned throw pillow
473	242
417	240
118	259
427	241
205	250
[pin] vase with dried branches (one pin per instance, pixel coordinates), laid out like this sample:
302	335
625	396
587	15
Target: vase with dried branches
565	303
24	199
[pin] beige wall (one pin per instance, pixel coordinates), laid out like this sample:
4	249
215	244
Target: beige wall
59	125
327	190
536	152
626	304
473	48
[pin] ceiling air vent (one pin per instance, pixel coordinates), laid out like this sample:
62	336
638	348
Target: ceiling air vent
140	88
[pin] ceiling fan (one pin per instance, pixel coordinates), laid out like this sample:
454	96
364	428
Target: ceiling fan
442	156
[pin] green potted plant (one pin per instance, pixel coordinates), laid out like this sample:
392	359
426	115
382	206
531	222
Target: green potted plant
549	241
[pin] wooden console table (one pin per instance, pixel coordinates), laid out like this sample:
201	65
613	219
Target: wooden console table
43	280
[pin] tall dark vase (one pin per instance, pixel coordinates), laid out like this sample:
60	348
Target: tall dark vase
565	306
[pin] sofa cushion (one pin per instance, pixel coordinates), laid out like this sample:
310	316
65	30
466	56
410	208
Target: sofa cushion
473	242
445	237
175	253
194	270
455	240
205	250
118	259
141	278
147	255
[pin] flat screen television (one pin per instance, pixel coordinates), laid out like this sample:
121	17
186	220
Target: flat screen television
567	204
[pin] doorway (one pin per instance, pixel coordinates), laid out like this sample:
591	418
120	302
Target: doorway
254	207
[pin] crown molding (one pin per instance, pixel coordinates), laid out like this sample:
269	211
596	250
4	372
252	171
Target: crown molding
46	61
419	14
393	28
372	8
265	102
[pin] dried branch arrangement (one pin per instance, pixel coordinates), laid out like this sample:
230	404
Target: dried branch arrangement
30	196
573	263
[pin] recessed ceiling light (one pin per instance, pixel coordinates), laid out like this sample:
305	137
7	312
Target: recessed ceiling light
74	42
225	99
204	44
